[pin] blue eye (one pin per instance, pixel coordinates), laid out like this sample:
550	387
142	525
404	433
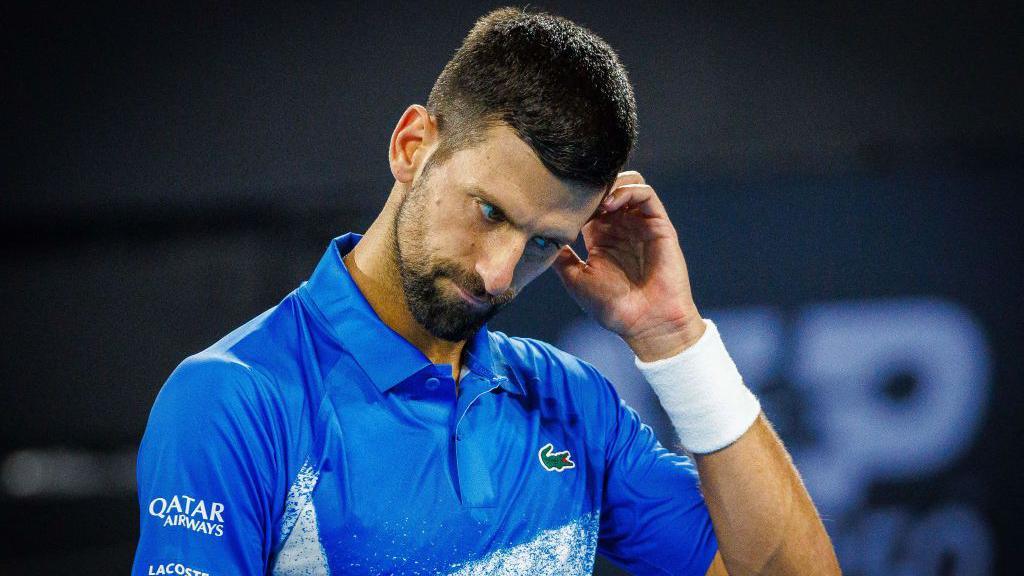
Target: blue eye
491	213
542	243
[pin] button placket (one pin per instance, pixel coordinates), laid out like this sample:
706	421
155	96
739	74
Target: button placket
475	483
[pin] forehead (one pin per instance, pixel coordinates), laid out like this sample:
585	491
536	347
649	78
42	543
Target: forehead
504	169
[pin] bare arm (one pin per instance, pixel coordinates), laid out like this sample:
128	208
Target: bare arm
763	517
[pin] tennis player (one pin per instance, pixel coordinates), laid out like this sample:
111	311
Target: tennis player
371	423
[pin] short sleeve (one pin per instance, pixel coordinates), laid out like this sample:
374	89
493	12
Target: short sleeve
204	473
654	520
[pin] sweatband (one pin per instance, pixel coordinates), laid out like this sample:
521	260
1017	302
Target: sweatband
703	393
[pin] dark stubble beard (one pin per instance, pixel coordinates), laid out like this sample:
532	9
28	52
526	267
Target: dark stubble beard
448	318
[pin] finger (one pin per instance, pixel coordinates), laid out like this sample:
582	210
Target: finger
639	195
568	265
628	177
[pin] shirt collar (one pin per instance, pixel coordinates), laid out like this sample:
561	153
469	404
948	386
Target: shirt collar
385	355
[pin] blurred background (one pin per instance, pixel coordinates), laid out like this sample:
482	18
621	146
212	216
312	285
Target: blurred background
844	179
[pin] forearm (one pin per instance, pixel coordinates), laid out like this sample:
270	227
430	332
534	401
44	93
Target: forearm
764	518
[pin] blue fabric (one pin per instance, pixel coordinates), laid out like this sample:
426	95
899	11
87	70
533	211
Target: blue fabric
315	440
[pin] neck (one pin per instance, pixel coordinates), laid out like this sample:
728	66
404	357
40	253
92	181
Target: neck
372	267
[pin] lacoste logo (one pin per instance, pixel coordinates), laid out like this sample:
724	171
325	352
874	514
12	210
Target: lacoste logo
556	461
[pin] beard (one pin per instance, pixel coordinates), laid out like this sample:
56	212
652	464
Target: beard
446	317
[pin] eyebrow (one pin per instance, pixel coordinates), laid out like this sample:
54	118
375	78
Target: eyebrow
473	188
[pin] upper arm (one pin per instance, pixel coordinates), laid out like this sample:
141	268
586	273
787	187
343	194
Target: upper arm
204	473
653	519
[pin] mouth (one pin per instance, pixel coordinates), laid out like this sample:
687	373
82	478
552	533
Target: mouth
468	298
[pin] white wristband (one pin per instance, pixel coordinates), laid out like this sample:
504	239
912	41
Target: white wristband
703	393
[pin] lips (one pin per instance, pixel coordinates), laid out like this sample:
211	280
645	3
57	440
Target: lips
471	300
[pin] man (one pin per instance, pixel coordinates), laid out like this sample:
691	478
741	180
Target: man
370	423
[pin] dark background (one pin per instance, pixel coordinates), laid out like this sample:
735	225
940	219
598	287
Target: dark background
172	172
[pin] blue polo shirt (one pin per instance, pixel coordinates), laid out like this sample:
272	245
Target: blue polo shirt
316	440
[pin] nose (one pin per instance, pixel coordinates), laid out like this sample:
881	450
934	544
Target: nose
497	265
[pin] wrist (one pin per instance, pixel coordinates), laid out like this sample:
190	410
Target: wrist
703	393
665	342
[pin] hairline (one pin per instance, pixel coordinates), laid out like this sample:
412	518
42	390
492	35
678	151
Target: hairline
477	134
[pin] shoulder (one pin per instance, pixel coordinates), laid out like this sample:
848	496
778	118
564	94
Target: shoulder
243	367
208	385
216	410
235	376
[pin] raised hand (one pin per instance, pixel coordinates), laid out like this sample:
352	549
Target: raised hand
634	281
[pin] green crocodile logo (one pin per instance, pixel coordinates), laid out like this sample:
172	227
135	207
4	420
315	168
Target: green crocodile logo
557	461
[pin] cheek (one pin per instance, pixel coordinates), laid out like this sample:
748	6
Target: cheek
433	225
458	240
464	245
467	231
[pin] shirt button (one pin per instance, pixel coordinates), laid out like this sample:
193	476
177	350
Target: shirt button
432	383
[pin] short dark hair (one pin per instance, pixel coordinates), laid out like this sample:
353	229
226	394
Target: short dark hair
556	83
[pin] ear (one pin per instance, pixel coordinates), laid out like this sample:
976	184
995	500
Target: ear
412	141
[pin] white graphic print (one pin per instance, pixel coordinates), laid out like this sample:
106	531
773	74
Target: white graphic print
302	553
189	513
174	568
565	551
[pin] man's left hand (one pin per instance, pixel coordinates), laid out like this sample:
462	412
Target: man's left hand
634	281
